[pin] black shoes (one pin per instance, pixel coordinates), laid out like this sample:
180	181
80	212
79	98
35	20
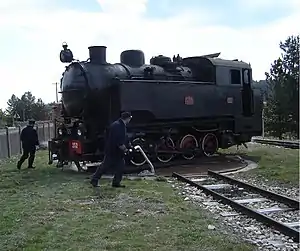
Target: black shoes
19	164
94	183
118	185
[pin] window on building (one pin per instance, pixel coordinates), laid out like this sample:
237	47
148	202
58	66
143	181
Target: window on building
235	77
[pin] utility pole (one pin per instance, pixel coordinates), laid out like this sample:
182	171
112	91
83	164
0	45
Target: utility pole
56	91
263	118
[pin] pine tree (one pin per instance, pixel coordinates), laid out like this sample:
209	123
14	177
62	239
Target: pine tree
282	110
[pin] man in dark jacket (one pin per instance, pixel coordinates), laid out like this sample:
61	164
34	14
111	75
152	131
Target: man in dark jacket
115	149
29	140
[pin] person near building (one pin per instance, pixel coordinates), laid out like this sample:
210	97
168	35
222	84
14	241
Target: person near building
29	140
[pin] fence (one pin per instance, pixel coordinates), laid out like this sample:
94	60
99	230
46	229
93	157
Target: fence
10	143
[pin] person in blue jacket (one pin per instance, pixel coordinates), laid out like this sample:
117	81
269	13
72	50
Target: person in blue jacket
115	149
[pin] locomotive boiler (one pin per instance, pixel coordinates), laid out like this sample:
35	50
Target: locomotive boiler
181	106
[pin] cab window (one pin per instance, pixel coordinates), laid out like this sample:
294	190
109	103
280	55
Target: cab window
235	76
246	76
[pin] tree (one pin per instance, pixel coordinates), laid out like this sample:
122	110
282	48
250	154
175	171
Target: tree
291	70
2	114
263	87
27	103
13	106
39	111
282	110
26	107
3	118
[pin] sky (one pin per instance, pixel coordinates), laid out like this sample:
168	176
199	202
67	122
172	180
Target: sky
32	31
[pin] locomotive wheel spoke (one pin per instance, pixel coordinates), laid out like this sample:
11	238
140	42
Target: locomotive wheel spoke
188	142
81	166
209	144
165	144
137	158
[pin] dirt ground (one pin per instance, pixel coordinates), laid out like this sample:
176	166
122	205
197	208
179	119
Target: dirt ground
218	163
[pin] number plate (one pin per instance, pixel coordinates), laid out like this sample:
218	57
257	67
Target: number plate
75	147
188	100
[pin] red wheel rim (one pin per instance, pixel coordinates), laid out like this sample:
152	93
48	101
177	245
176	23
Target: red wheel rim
165	144
188	142
210	144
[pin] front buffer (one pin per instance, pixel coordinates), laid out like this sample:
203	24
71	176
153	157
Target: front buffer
65	150
68	150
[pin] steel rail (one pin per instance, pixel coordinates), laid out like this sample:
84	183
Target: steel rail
283	143
244	209
271	195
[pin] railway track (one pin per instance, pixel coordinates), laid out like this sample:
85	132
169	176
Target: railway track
248	199
177	162
283	143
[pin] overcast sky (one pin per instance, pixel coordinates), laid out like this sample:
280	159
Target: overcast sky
32	32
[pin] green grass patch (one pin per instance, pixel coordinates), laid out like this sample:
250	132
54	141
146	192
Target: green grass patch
274	163
47	209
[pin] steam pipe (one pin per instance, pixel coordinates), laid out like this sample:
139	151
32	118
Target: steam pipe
139	149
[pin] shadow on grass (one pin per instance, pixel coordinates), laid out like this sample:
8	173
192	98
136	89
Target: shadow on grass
274	163
43	175
255	158
244	155
47	180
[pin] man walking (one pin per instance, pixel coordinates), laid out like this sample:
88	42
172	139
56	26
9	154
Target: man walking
29	140
115	150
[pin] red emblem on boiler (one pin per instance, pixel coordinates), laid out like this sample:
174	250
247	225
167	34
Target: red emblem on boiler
188	100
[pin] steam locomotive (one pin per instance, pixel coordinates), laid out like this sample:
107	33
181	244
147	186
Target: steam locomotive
181	106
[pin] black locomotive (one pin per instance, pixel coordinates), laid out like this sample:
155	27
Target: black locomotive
180	106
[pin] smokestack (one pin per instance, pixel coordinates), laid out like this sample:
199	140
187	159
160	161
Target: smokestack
97	54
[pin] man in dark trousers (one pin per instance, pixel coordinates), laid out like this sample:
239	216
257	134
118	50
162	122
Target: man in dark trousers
29	140
115	149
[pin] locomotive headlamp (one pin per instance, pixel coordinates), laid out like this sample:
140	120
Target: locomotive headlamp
66	55
60	132
64	45
79	133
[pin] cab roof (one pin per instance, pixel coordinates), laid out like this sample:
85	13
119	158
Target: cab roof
215	61
229	63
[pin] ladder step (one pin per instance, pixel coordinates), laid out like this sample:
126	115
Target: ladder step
226	214
252	200
217	186
198	179
272	210
293	224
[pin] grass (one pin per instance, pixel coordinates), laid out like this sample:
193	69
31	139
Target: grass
274	163
46	209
